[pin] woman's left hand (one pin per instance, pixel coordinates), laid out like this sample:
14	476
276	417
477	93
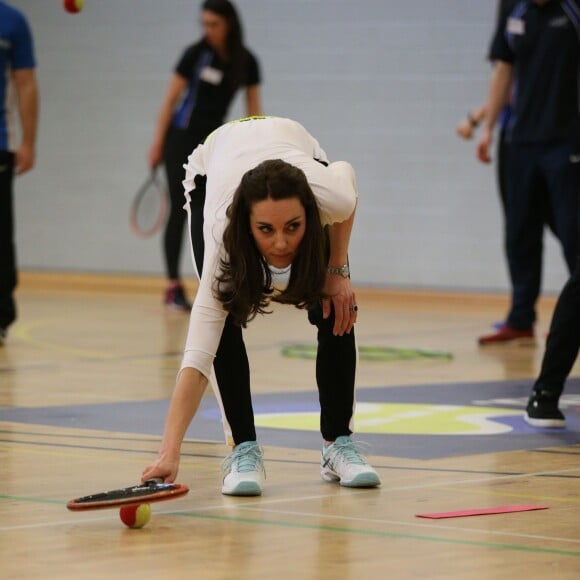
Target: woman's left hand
343	300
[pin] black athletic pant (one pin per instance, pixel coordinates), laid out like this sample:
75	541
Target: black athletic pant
564	337
335	361
538	174
178	147
8	276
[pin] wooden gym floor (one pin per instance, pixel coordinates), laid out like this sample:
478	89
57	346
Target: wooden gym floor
87	370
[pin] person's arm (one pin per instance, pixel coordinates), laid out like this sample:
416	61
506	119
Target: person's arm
499	89
253	101
467	126
27	94
339	289
191	385
177	85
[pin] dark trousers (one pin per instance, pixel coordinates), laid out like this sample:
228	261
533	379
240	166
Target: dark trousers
8	275
335	362
178	147
501	177
564	338
542	188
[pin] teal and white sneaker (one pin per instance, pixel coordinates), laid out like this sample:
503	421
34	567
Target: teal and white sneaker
342	462
244	470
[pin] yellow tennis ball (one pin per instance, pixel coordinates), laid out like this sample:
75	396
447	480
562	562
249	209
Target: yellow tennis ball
135	516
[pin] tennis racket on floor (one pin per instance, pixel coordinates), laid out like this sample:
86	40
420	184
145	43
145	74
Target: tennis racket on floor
149	492
149	207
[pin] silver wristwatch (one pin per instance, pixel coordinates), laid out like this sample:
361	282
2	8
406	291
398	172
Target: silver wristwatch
343	271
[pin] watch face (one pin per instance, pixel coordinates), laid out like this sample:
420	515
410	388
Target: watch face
343	271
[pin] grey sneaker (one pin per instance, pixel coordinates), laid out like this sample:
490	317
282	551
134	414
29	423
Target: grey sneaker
342	462
244	470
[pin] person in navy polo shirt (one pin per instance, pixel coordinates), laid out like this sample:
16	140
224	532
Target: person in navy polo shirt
537	51
18	99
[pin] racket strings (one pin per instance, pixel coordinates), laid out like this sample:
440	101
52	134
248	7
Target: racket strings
149	209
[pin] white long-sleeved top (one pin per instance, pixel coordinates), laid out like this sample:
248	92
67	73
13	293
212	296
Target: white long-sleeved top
226	155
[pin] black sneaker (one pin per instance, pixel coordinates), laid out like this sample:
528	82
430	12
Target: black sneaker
175	299
542	411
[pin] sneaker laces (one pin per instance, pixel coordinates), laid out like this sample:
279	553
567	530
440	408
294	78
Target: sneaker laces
247	457
344	449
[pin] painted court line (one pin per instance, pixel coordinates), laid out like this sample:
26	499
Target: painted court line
220	456
486	479
68	450
51	524
259	508
384	534
483	479
198	514
422	525
527	496
152	439
449	484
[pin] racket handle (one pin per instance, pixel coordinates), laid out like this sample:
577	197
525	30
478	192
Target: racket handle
153	480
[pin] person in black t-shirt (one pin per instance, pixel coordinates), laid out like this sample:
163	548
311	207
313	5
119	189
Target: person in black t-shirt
204	83
537	50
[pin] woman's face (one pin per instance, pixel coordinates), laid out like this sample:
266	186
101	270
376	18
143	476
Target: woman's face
215	29
278	228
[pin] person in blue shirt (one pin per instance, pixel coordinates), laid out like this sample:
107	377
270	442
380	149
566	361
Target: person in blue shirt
202	87
18	103
537	54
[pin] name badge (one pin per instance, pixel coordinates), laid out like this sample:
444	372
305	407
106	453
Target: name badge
516	26
211	75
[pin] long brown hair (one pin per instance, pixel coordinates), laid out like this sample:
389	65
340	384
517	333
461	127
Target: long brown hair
235	38
244	285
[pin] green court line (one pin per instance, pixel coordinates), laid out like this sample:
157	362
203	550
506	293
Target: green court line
336	529
379	533
369	353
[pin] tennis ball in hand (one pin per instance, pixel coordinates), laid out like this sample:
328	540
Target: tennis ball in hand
73	6
135	516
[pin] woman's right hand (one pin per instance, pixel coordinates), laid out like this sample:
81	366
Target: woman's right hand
165	469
